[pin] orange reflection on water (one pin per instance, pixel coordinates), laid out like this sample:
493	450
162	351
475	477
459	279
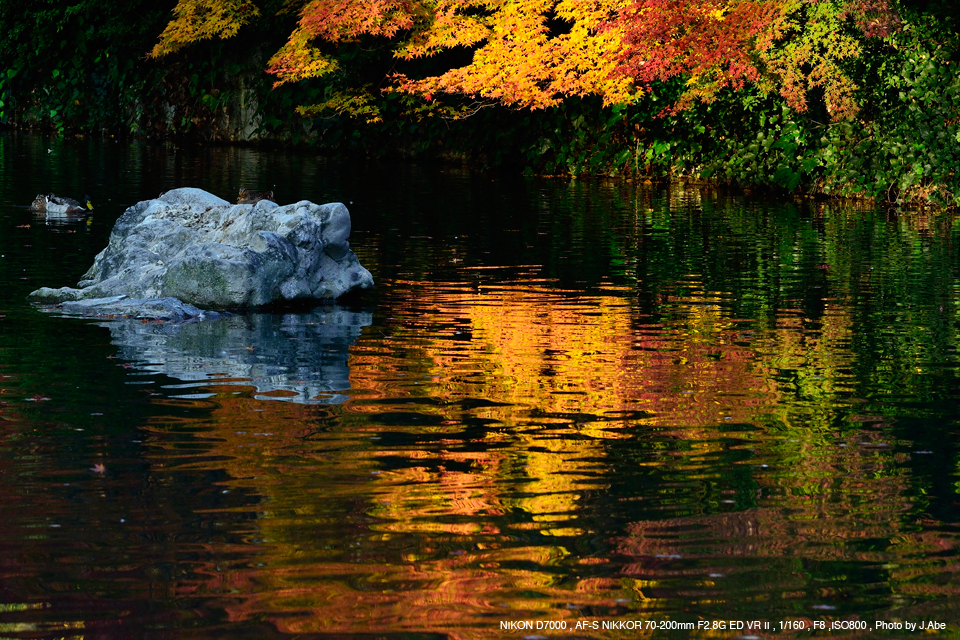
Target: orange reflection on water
533	347
365	531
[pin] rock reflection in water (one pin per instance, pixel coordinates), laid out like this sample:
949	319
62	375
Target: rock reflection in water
297	357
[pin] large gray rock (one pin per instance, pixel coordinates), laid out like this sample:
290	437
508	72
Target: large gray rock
191	245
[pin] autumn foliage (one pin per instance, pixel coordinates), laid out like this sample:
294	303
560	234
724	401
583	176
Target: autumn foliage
535	53
195	20
517	59
336	21
789	46
832	96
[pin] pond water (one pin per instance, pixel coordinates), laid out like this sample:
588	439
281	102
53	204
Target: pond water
567	408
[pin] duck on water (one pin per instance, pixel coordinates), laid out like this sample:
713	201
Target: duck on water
249	196
58	205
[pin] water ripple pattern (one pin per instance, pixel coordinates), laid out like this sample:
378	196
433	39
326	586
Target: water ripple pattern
566	404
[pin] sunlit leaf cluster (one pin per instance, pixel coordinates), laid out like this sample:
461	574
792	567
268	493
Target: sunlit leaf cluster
336	21
519	58
536	53
196	20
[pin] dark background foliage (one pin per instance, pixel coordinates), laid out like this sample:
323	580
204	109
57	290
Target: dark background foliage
81	68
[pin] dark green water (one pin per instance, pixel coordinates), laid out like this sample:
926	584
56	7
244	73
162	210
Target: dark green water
564	404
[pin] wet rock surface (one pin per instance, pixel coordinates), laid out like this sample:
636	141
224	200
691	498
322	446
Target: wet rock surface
209	254
169	309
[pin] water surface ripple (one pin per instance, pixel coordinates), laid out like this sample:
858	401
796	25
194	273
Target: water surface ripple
564	402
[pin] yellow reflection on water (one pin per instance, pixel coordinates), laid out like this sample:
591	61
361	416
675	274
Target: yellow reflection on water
380	516
533	347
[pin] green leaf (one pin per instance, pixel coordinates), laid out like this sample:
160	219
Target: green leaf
788	178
